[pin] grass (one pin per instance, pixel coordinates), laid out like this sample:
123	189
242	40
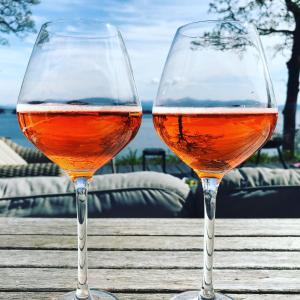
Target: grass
264	158
132	158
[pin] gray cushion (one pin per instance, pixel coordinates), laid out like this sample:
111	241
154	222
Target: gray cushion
30	155
253	178
245	192
258	193
8	156
36	169
140	194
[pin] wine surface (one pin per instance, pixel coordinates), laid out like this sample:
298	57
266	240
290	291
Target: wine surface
213	141
80	139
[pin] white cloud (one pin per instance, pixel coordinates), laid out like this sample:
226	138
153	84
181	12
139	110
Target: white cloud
61	5
154	80
39	20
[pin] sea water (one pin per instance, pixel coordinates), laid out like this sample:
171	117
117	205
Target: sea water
145	138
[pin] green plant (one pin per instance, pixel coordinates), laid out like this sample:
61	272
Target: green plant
192	183
172	158
16	18
264	158
131	158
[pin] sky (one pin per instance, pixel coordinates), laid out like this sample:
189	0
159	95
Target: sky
147	26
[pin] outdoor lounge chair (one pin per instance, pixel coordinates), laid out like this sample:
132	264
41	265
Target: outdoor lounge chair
243	193
19	161
274	143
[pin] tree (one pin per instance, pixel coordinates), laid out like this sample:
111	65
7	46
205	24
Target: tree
15	17
273	17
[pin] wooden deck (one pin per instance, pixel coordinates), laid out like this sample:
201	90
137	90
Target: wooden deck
150	258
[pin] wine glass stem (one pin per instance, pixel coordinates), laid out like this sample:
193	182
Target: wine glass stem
81	187
210	188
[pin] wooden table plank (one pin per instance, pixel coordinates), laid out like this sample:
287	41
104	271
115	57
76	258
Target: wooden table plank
150	259
150	281
153	227
124	296
187	243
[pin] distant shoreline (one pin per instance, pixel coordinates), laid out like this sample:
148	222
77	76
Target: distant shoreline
146	110
13	111
7	110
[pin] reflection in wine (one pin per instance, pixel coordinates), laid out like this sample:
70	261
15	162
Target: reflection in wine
213	141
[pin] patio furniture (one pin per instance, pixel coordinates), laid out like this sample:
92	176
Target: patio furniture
139	194
155	152
274	143
19	161
30	155
258	193
150	259
9	156
244	192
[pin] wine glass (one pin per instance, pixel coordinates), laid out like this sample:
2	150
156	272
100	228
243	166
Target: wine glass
214	108
78	104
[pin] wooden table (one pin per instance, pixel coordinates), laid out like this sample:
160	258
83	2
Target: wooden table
150	258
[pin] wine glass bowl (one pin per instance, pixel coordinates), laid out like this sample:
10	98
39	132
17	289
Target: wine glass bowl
78	90
78	104
214	108
212	141
99	131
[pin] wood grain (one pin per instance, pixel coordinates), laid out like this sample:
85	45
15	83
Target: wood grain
124	296
150	259
187	243
153	227
150	281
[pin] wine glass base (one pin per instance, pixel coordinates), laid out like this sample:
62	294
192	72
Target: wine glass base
94	295
195	295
